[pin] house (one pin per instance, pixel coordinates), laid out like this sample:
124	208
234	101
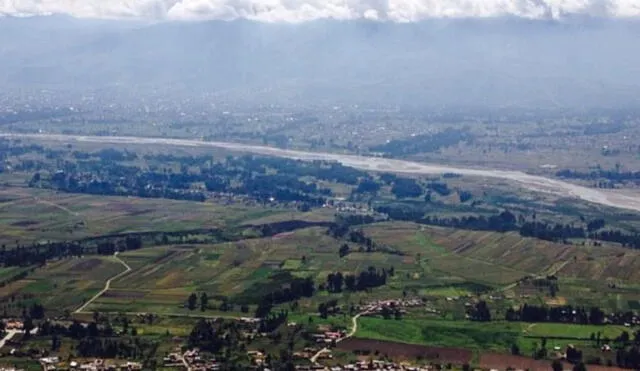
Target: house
50	360
13	324
131	366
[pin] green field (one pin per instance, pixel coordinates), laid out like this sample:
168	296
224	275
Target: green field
438	264
480	336
65	284
494	336
31	215
447	268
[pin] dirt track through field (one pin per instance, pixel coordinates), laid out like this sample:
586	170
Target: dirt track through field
354	329
536	183
106	285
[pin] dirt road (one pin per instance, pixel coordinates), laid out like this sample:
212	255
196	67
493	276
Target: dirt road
107	284
352	332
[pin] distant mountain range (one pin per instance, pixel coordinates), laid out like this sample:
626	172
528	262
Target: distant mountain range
492	62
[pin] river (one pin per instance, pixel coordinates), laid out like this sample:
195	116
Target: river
537	183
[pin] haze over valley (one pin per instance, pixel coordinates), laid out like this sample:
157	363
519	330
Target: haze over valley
337	185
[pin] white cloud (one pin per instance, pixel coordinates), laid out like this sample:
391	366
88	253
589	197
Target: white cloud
305	10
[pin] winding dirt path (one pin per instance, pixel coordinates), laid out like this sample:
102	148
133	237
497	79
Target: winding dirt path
352	332
107	285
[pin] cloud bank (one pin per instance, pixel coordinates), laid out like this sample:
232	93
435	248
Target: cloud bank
307	10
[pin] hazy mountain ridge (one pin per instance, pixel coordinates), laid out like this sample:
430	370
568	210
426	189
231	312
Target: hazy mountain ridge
491	62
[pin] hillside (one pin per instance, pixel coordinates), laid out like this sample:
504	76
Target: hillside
478	63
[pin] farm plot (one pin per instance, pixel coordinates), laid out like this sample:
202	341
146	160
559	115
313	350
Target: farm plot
458	334
398	350
510	251
31	215
503	361
574	331
163	278
66	284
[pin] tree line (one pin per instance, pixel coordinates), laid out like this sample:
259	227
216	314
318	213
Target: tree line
365	280
111	172
39	253
506	221
614	175
424	143
559	314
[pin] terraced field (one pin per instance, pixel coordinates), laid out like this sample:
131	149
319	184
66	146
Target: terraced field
509	252
31	215
63	284
436	263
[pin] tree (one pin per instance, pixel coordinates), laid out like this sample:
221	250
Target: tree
28	327
192	301
55	343
556	365
125	325
92	330
323	310
624	337
36	311
515	350
482	312
204	301
580	367
344	250
386	312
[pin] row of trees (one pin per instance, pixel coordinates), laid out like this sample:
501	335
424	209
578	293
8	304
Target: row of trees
424	143
613	175
109	172
341	229
561	314
39	254
294	289
507	221
132	348
365	280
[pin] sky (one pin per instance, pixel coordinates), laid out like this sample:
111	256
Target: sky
296	11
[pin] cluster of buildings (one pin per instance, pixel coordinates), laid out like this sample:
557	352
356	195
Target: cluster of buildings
328	337
13	324
341	206
190	360
257	357
54	364
378	365
377	306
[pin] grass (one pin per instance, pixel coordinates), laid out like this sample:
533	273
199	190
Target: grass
31	215
479	336
575	331
20	363
438	263
494	336
64	284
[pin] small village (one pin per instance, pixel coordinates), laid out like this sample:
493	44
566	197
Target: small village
371	365
318	357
